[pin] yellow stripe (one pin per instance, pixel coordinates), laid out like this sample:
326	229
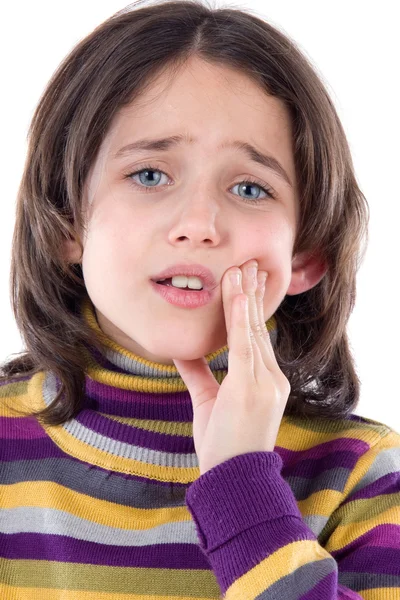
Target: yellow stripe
38	493
320	503
45	494
295	438
164	427
12	396
281	563
380	593
18	593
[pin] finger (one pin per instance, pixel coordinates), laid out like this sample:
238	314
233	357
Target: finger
260	294
250	287
241	351
231	287
263	337
249	271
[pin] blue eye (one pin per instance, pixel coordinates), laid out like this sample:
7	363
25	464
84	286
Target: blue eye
243	185
153	180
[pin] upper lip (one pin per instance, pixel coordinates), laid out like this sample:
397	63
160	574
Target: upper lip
194	270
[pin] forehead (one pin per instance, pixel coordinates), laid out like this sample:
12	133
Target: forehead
211	103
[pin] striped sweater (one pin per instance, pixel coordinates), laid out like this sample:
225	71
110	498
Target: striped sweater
111	505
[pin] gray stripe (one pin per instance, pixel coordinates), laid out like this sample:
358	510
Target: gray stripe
369	581
316	523
300	582
134	367
387	461
305	486
96	482
57	522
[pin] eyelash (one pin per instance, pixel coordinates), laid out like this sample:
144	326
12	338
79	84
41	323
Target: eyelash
263	186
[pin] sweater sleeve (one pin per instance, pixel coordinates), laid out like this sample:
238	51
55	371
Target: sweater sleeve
252	532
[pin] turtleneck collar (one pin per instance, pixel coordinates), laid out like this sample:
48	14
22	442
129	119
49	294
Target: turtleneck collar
148	376
136	415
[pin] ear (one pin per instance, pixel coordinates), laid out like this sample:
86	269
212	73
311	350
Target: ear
71	252
308	268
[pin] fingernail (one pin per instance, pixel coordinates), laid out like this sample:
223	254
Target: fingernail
235	278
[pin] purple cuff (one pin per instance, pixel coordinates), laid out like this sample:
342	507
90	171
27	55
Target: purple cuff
241	492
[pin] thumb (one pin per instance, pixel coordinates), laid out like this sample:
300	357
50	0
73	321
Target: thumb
199	380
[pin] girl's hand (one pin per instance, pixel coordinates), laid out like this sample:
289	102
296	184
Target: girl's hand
244	413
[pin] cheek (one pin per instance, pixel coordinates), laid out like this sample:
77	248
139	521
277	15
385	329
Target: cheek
275	256
273	244
114	229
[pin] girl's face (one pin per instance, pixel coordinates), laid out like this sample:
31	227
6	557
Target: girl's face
193	212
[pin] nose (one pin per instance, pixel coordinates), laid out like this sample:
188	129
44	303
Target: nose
196	222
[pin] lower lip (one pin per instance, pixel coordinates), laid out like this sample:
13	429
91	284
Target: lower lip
183	298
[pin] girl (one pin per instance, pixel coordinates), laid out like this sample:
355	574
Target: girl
172	431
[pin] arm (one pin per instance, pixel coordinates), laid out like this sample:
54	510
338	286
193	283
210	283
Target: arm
254	536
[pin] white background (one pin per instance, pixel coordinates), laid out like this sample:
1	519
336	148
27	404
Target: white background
355	49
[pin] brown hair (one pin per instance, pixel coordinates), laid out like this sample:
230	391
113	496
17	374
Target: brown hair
109	69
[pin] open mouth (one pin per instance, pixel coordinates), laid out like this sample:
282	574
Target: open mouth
183	297
168	282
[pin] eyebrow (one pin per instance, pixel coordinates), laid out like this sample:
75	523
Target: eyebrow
266	160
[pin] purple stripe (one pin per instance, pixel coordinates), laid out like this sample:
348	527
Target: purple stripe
38	546
139	437
30	450
357	418
377	551
313	468
295	459
174	406
388	484
20	428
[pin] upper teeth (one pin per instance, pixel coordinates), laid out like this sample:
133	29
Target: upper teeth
181	281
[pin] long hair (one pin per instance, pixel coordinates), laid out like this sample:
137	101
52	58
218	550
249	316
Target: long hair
109	69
